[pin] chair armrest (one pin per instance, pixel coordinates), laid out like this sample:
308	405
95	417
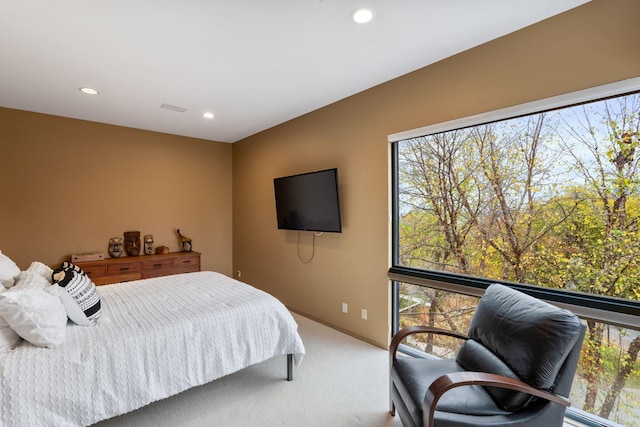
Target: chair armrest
458	379
411	330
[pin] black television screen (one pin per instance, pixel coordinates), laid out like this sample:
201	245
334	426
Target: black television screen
308	202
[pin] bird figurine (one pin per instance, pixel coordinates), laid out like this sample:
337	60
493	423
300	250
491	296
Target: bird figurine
185	242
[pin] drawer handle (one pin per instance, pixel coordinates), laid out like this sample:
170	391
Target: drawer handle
157	265
124	268
186	261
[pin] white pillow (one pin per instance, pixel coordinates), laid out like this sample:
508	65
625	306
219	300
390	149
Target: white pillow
41	269
8	337
36	315
8	271
33	278
30	279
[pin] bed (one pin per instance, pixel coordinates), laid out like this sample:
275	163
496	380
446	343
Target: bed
155	338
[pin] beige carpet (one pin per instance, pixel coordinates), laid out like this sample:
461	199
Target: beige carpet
342	382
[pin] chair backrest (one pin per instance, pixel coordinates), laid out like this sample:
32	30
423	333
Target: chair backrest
516	335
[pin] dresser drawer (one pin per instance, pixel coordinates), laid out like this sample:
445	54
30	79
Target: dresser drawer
95	271
156	264
187	261
116	278
123	268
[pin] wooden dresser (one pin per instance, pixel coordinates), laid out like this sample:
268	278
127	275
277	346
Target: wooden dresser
114	270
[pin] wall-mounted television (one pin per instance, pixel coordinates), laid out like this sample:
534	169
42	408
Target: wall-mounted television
308	202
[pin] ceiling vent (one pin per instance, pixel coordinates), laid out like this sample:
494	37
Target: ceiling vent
173	108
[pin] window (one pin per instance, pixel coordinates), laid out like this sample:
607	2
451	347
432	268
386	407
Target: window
544	197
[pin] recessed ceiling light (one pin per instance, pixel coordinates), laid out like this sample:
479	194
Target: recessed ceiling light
207	115
89	91
362	16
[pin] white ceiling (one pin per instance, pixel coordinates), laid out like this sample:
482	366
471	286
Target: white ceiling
253	63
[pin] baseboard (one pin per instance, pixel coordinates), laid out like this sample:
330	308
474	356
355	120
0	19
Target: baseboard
337	328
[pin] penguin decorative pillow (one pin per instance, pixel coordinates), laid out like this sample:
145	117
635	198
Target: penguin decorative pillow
80	297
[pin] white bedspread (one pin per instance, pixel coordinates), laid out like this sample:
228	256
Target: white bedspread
156	338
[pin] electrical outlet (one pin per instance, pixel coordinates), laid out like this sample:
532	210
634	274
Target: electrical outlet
344	307
239	273
364	314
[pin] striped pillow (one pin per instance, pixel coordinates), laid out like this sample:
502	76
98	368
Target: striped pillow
81	299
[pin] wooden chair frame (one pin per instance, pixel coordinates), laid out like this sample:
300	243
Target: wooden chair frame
458	379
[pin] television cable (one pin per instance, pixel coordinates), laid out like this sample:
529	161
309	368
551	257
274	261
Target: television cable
313	248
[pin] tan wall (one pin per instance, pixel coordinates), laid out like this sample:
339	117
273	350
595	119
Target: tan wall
67	186
588	46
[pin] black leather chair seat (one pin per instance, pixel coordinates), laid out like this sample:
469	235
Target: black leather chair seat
416	375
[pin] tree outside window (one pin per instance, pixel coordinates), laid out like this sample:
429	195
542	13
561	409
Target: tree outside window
550	199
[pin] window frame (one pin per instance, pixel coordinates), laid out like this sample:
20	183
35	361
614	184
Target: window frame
616	311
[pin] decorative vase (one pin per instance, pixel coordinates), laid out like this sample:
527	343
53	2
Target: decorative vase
132	242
